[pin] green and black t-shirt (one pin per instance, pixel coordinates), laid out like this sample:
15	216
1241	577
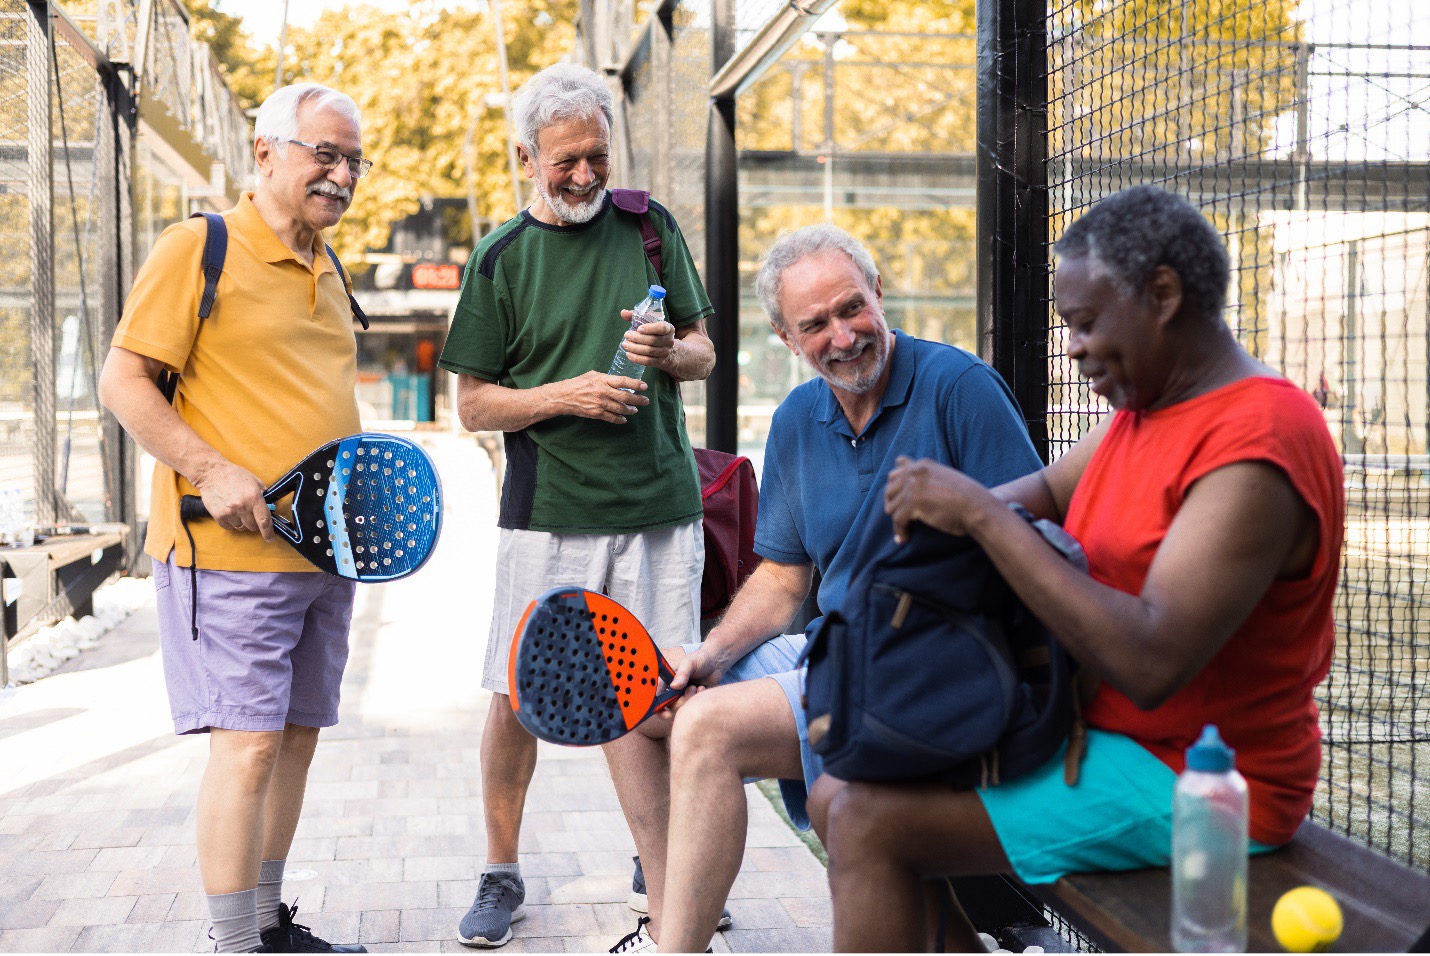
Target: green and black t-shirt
542	303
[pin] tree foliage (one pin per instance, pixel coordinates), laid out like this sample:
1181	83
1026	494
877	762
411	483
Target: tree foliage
425	79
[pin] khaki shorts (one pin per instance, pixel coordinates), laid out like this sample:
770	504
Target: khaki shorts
654	574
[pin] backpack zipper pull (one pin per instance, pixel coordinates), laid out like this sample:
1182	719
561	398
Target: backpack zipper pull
906	601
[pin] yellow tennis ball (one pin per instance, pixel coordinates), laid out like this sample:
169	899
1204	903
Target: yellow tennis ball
1306	920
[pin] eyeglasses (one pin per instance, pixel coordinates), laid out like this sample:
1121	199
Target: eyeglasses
328	157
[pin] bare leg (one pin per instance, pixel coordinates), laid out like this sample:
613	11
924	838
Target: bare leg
508	762
640	770
286	790
721	736
884	841
230	832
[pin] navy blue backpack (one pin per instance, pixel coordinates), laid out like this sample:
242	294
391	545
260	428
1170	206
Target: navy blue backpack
932	669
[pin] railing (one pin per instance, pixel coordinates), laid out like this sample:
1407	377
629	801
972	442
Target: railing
178	75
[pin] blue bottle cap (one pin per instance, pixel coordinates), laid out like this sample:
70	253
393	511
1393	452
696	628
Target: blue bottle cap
657	292
1210	754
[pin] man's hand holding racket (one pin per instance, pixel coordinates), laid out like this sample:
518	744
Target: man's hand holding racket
694	672
234	497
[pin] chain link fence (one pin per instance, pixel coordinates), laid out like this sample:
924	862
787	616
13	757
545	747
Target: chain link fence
58	199
1301	129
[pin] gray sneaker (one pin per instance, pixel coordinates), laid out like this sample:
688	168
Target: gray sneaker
640	902
498	905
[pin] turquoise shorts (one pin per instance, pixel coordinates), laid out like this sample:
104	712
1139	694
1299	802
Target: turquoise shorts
1118	817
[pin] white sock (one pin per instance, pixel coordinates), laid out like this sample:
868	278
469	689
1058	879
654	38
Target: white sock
235	921
504	869
270	893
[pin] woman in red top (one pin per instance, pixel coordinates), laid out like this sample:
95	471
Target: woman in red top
1212	510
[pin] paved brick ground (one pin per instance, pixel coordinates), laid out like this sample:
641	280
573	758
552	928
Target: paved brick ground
97	794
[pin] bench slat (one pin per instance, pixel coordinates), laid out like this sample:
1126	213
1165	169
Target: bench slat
1386	904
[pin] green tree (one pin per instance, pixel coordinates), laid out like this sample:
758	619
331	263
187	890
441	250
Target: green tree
424	78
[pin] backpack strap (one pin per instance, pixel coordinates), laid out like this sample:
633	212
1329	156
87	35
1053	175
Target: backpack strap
343	277
636	202
215	251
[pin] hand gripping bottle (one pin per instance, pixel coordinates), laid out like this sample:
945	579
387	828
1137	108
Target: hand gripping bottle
1209	848
651	309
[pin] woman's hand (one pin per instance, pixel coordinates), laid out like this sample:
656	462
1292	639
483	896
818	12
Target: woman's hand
939	496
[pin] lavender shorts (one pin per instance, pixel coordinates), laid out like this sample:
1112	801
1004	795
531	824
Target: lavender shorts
271	649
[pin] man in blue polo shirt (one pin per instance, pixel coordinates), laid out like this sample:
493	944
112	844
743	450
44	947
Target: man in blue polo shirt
832	443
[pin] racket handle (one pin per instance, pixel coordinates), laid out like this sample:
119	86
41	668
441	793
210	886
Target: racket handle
191	507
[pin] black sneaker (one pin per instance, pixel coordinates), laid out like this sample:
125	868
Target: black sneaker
291	937
640	902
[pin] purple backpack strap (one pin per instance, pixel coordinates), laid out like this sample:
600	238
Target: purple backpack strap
636	202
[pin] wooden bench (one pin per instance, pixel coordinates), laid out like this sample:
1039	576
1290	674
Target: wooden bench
1386	904
52	579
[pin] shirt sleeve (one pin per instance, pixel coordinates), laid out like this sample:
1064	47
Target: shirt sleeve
989	437
777	535
161	315
476	344
685	299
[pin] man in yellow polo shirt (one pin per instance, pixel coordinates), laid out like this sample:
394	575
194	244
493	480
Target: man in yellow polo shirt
254	640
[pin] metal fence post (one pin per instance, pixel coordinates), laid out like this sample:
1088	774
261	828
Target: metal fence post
38	37
722	243
1013	202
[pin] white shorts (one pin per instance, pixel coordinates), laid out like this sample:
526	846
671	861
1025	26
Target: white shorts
654	574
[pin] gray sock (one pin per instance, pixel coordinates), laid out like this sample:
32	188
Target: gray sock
235	921
504	869
270	893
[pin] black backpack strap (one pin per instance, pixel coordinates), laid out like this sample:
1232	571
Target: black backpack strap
343	278
215	251
636	202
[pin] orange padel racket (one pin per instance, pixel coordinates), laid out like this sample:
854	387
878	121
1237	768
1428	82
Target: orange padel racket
582	670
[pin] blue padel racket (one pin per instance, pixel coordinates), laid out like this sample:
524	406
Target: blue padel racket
366	507
583	671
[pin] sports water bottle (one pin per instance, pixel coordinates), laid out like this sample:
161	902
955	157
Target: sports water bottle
651	309
1209	813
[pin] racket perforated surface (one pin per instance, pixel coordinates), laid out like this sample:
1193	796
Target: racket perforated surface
582	670
367	507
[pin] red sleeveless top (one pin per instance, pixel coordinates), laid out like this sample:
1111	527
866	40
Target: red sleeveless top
1258	688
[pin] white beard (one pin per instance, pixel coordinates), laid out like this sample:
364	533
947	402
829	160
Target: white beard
573	215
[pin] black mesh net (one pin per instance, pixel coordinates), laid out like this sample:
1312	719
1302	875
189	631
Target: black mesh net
1301	129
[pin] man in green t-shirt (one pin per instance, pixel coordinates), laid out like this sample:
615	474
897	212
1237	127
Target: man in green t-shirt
601	489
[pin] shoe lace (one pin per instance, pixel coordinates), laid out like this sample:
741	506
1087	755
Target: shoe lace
297	932
489	893
632	940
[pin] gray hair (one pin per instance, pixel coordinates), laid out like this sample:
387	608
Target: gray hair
1132	232
277	119
800	244
560	92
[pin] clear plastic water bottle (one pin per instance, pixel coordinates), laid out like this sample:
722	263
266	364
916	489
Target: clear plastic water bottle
650	309
1209	849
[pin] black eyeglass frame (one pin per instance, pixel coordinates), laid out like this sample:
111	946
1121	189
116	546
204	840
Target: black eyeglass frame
358	166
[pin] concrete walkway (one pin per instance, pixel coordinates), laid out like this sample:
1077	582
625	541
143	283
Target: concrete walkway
97	794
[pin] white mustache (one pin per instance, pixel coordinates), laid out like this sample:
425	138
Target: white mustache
849	355
333	190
